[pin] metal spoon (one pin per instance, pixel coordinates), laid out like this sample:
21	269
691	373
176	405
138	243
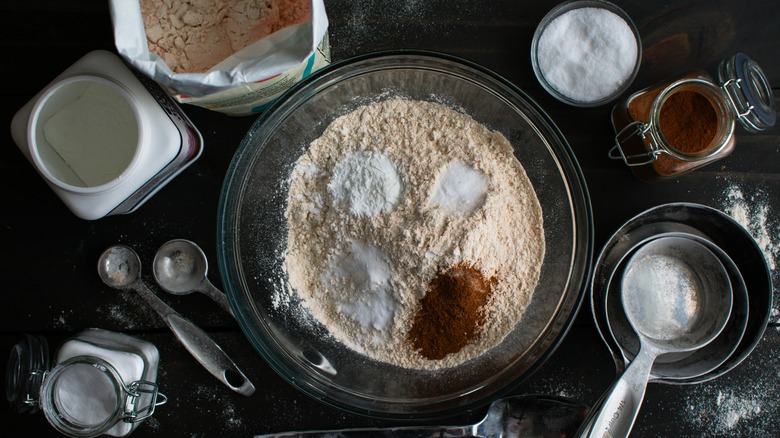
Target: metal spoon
528	416
677	297
180	268
119	267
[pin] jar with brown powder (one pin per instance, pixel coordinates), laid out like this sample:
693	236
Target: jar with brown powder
683	124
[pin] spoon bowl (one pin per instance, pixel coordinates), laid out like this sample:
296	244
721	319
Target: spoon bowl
676	293
180	267
119	267
677	296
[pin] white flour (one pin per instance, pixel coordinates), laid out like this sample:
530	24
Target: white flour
194	35
362	275
367	268
653	282
752	211
741	403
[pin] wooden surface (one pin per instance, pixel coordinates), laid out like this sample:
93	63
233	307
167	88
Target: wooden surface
48	256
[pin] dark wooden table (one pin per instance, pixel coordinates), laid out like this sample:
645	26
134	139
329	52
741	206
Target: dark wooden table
48	256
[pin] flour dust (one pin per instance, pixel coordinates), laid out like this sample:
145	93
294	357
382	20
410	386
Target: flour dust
752	210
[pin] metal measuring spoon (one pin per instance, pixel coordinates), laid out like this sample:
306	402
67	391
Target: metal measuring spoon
528	416
677	297
119	267
180	268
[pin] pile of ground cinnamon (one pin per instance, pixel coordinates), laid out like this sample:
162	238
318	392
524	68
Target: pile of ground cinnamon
451	313
192	36
688	121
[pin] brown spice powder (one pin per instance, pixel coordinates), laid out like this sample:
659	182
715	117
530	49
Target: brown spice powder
451	313
688	121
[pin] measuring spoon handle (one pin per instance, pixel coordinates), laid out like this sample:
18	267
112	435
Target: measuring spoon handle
200	345
620	405
217	295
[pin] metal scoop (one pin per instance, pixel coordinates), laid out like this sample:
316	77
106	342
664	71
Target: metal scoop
119	267
180	267
528	416
677	297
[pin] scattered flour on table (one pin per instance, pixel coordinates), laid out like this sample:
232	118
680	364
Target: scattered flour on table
554	385
442	189
735	406
372	23
752	211
216	403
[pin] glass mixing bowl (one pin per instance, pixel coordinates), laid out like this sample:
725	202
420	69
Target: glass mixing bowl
252	234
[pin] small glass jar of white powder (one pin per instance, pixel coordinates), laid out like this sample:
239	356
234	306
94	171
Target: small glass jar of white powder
102	382
104	138
586	53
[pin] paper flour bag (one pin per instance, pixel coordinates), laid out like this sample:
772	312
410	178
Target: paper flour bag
231	56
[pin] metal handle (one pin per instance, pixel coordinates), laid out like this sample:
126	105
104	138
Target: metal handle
619	408
200	345
398	432
217	295
640	130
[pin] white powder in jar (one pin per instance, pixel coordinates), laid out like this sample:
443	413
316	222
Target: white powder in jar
89	395
363	276
587	54
85	395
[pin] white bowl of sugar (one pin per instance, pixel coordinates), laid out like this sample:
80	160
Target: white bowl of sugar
586	53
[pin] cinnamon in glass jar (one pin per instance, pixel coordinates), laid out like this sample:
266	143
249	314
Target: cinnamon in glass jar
680	125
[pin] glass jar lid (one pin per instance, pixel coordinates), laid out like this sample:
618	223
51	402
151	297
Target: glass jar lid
83	396
748	88
27	363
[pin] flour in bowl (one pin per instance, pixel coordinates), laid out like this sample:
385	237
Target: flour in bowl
387	199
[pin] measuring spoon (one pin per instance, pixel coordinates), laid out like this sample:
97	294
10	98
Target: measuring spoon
677	297
180	268
119	267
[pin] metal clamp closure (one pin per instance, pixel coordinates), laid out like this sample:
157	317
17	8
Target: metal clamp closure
31	398
742	107
134	392
640	130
